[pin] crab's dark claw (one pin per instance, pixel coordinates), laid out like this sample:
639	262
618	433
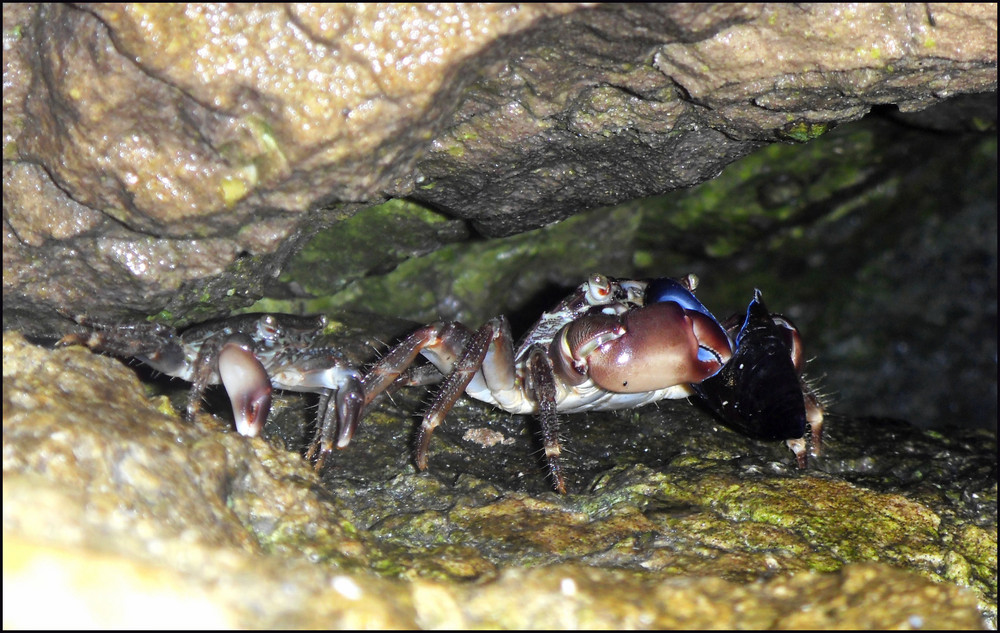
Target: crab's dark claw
248	386
759	391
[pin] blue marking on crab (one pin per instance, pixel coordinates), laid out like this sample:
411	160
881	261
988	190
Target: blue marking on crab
669	289
666	289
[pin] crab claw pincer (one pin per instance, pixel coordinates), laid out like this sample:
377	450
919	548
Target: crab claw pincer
650	348
759	390
247	384
322	372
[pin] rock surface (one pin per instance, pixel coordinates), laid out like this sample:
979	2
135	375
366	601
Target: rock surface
168	160
181	162
680	515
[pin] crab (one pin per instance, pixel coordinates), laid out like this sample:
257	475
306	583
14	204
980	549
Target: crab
249	355
611	344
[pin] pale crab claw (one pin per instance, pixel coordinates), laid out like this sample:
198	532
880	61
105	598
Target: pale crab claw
247	383
322	372
350	406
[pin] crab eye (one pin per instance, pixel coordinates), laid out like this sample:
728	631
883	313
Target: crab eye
690	281
598	288
268	327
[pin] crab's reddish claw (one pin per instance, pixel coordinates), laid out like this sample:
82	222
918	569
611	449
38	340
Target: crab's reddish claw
590	352
642	350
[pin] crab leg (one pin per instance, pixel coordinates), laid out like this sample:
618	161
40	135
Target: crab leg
543	385
443	341
461	374
154	342
814	416
419	377
323	421
204	364
457	354
339	410
813	401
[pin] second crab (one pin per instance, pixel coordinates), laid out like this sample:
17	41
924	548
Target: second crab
248	354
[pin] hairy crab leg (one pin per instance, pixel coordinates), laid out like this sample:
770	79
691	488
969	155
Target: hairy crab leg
323	417
339	412
812	400
445	340
419	377
462	373
814	416
142	339
208	356
543	386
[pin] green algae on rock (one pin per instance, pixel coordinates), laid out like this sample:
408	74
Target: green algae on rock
605	554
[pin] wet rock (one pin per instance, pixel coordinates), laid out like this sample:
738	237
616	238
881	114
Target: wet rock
187	152
171	162
567	597
667	511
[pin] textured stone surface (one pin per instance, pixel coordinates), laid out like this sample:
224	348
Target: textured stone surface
679	515
168	160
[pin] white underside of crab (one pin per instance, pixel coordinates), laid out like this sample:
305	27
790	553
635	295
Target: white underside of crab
586	396
295	379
